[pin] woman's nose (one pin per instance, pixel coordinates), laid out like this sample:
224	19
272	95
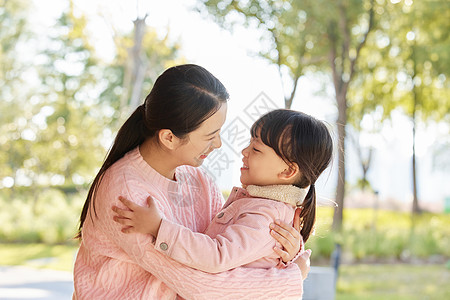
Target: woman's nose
217	142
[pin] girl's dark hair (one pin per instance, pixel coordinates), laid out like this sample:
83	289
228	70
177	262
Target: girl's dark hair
181	99
301	139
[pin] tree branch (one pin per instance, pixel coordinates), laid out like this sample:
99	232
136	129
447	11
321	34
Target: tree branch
288	102
363	42
332	57
345	33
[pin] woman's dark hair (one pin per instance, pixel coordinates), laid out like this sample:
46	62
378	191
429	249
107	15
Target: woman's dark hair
301	139
182	98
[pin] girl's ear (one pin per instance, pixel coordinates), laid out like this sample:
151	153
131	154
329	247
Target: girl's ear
168	139
290	172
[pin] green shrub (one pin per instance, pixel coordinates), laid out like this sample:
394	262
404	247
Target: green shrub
50	217
382	235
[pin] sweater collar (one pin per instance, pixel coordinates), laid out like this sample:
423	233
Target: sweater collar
284	193
150	174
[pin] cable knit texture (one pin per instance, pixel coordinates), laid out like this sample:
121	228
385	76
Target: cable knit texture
239	235
114	265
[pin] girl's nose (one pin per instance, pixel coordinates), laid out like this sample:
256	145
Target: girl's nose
245	151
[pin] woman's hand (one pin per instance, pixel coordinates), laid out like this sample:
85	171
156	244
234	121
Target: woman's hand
288	236
303	263
138	218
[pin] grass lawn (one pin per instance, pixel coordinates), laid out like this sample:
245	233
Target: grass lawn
393	282
56	257
361	281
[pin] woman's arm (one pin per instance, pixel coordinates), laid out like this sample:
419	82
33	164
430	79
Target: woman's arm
243	283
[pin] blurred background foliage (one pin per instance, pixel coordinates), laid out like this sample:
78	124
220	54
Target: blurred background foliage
61	103
379	55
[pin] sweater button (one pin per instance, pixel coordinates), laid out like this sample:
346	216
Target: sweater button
220	215
163	246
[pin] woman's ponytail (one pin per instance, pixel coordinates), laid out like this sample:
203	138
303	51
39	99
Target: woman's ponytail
132	133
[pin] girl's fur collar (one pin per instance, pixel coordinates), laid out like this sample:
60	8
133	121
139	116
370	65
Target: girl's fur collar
284	193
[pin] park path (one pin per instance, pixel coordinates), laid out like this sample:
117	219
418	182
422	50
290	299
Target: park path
17	282
28	283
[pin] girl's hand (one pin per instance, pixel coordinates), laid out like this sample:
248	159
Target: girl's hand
138	218
288	236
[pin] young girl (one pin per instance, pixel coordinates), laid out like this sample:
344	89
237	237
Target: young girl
287	153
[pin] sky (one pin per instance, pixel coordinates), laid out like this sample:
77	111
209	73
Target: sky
255	87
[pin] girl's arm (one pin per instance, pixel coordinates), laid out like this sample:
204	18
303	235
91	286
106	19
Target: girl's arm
244	241
242	283
148	220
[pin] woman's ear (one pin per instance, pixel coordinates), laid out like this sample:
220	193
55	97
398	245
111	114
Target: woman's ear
167	139
291	171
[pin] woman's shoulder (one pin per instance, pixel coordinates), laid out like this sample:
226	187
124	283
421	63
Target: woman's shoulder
122	176
124	167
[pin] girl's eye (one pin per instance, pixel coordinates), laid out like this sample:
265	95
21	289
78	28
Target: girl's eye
256	150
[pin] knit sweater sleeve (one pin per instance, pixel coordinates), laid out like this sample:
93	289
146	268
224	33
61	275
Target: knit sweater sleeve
246	237
242	283
216	197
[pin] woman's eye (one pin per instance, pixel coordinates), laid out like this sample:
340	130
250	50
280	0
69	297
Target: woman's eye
256	150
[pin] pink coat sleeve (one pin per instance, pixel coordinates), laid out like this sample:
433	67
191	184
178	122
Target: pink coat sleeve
246	237
242	283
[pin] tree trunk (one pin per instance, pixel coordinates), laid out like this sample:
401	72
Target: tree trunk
340	190
365	165
364	162
341	87
138	62
415	206
288	101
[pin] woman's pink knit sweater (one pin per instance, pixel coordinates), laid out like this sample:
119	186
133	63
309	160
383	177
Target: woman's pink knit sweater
113	265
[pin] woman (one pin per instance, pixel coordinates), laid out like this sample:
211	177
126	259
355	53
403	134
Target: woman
156	153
